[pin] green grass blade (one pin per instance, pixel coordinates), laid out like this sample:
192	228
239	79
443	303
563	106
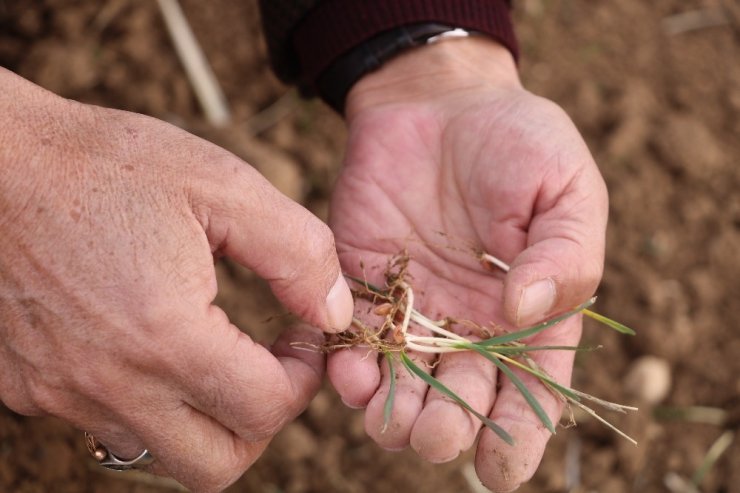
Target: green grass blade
715	452
486	352
609	322
517	350
566	391
693	414
440	387
388	407
531	400
514	336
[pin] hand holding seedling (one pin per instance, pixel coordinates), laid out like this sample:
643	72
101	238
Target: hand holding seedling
109	222
444	139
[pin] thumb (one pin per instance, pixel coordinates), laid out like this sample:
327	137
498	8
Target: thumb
247	219
563	262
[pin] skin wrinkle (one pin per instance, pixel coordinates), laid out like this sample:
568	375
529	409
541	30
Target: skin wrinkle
379	91
438	272
443	266
371	181
421	232
473	202
448	158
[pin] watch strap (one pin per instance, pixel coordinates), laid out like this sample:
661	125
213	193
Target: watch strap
334	84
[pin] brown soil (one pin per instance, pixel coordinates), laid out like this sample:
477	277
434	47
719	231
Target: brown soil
661	113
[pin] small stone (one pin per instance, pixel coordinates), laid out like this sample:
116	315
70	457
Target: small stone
649	379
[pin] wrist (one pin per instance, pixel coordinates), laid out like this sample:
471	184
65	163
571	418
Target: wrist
425	73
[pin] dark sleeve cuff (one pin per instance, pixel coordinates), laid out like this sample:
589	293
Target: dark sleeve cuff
334	27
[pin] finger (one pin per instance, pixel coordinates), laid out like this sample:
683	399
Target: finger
354	371
444	429
355	374
410	392
247	219
241	384
113	438
187	445
563	262
193	448
94	414
502	467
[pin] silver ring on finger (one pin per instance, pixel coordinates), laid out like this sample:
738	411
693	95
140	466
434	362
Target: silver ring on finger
107	459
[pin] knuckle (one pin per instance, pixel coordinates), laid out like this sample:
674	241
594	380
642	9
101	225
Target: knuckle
19	404
320	249
224	473
277	410
158	313
217	480
552	110
591	272
267	425
318	265
236	177
154	341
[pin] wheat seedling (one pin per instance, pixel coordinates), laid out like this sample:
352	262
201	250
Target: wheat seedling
392	339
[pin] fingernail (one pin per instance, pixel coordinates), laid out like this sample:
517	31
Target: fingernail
340	305
536	301
352	406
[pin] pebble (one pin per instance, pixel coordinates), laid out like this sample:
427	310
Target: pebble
649	379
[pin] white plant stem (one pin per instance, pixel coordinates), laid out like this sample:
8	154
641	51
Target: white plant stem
430	325
593	414
409	295
431	349
495	261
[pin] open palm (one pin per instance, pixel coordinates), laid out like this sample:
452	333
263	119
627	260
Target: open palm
499	170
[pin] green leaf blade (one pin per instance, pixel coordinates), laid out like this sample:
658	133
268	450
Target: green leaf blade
518	350
612	324
440	387
390	399
531	400
515	336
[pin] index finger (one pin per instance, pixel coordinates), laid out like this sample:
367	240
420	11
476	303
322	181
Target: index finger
244	386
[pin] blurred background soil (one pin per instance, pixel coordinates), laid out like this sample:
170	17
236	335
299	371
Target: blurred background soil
658	99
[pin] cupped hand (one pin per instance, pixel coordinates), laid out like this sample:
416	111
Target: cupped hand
109	223
444	139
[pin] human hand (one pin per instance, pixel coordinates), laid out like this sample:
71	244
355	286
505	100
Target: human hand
444	139
109	222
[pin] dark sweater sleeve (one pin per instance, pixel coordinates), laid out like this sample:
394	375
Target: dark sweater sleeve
305	36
